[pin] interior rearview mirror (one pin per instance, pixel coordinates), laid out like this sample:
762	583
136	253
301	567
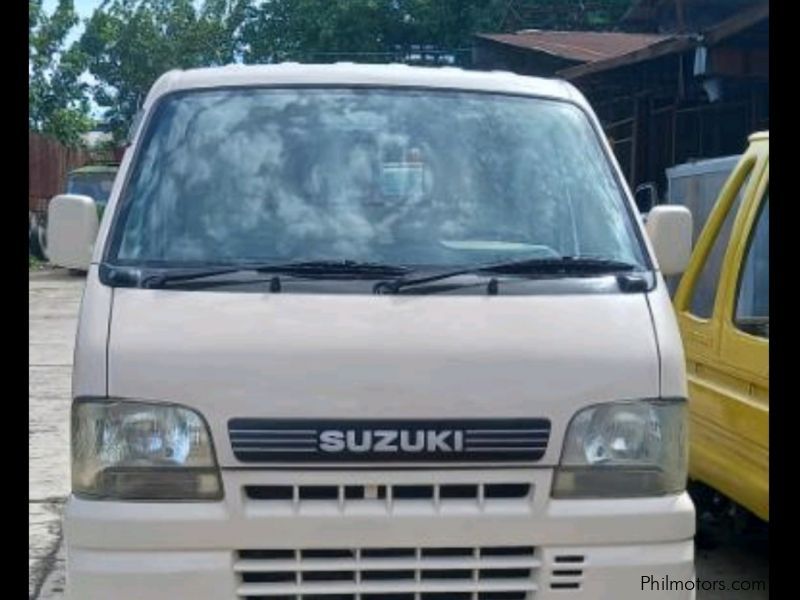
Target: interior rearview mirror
646	197
669	227
72	224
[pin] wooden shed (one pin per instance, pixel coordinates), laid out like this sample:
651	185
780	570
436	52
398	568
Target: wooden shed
691	83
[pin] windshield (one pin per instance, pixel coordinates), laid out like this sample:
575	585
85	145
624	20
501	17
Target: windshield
433	178
95	185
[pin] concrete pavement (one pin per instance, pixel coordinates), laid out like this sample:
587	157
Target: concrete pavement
54	297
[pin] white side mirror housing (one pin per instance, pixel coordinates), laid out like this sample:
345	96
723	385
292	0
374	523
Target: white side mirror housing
72	224
669	227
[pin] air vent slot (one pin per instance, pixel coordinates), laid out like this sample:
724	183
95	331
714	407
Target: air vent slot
423	573
569	558
269	492
458	492
567	574
437	495
412	492
506	490
318	492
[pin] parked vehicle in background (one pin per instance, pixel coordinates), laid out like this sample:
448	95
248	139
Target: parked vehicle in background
697	184
376	331
722	303
37	235
93	183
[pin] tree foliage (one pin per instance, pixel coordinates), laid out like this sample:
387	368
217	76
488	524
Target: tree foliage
127	44
364	30
564	14
57	101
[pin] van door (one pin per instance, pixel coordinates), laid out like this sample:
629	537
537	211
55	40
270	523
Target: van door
744	348
723	314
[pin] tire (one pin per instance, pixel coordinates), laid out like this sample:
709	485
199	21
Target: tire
711	513
37	240
42	233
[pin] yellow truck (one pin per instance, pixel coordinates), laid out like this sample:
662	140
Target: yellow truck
722	303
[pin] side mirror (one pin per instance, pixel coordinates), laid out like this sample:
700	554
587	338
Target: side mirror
669	227
72	225
646	197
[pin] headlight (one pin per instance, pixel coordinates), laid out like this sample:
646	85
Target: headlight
624	449
125	450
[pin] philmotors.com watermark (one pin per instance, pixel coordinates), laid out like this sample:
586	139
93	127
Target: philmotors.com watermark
651	583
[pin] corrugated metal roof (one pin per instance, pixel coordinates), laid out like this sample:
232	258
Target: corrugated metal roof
580	46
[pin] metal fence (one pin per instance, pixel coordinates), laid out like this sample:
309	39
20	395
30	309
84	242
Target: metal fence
48	164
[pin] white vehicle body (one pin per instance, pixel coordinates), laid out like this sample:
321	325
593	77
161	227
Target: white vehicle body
346	358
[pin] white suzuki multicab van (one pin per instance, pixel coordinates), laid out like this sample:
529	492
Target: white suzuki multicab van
376	332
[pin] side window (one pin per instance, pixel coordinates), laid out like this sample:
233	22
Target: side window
704	293
752	299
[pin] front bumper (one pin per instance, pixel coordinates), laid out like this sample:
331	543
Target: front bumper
599	549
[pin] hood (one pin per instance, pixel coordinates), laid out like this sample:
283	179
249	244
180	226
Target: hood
289	356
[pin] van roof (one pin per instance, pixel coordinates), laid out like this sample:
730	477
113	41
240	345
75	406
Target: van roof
344	74
722	164
106	168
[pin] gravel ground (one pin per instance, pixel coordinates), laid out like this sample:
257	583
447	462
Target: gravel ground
54	298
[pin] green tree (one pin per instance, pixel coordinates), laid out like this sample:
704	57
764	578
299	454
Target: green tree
57	102
377	30
127	44
561	14
363	30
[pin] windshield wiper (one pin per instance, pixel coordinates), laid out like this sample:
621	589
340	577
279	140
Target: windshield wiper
568	265
344	269
348	268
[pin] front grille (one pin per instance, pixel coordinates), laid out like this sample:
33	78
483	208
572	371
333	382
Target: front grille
567	572
362	441
480	495
489	573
